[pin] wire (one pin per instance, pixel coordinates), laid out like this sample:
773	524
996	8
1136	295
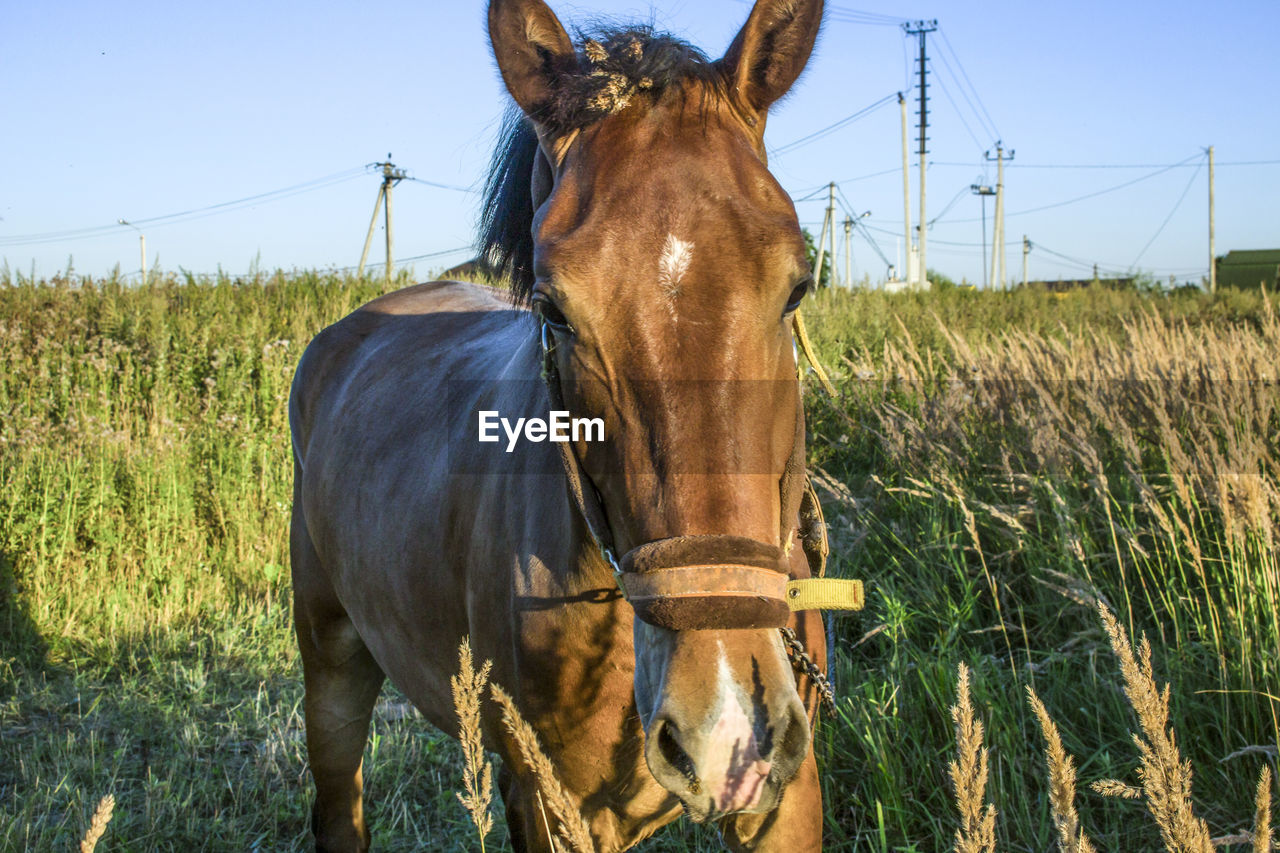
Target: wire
857	220
1088	265
932	240
991	122
831	128
947	91
438	254
1112	189
1184	164
194	213
1176	205
972	108
810	193
860	16
849	15
453	187
409	260
949	205
1113	269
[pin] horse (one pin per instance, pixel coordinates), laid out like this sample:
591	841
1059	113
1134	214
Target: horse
655	266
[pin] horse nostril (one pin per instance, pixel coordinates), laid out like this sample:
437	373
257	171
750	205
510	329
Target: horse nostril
794	740
674	768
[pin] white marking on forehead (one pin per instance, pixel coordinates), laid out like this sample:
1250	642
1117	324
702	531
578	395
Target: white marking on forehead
677	254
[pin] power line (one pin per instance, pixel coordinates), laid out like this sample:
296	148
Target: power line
831	128
185	215
960	86
850	15
992	125
810	193
210	210
1079	262
453	187
1086	196
1176	205
857	221
400	263
1182	164
1115	269
946	91
948	206
411	259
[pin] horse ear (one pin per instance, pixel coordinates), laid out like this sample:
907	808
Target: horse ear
771	50
531	48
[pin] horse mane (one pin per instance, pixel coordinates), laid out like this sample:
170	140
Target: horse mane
614	65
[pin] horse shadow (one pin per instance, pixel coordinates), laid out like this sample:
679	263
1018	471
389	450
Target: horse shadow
22	648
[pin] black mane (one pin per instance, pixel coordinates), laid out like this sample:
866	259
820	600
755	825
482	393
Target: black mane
614	65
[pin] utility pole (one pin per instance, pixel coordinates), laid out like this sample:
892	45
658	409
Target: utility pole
142	245
831	214
1026	250
922	29
848	252
390	177
906	274
828	226
997	238
1213	263
982	191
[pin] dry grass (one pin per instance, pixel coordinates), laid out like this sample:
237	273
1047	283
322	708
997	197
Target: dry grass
1062	783
572	830
98	825
1262	813
976	833
1165	776
477	774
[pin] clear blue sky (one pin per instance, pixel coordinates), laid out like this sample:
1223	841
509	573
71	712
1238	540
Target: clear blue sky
142	109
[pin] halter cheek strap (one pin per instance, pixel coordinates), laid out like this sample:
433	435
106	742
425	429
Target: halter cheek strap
713	582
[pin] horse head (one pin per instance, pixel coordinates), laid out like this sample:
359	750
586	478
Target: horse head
665	262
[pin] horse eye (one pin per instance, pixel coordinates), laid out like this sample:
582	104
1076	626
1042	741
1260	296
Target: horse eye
550	313
797	294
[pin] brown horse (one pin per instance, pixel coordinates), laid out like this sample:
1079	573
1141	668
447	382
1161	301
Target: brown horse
632	208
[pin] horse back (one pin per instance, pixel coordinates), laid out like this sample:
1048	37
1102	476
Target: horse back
377	414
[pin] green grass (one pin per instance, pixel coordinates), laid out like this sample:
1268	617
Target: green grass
146	646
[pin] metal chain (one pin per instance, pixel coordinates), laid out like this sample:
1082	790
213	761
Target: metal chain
803	664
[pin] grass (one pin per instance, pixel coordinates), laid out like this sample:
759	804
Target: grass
996	466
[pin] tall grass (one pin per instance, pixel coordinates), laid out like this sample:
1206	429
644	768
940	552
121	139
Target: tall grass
1001	479
995	466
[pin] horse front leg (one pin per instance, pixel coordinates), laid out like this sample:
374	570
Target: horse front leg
525	821
795	826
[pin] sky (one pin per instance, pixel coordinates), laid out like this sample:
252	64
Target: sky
141	110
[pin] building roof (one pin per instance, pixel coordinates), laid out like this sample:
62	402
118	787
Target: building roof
1249	268
1252	256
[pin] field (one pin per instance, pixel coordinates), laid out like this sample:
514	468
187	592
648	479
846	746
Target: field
995	466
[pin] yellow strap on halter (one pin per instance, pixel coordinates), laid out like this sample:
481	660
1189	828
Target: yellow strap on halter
825	594
802	337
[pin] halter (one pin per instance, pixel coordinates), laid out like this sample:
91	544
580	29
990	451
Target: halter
684	582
